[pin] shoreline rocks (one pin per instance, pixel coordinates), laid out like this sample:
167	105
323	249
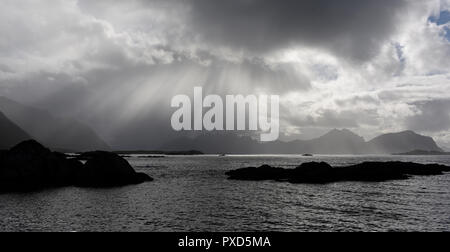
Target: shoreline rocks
106	169
323	173
29	166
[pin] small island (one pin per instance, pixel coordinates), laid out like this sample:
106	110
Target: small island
29	166
323	173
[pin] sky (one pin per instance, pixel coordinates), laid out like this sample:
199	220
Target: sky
372	66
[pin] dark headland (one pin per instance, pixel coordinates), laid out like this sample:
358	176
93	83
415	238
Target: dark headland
29	166
322	173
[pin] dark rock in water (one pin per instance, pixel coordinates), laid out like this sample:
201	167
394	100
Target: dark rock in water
311	173
380	171
30	166
321	173
106	169
264	172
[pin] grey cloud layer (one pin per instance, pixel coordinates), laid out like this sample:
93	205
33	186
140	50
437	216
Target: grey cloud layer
350	28
353	29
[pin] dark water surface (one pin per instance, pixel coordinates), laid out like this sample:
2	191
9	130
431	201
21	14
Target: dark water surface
193	194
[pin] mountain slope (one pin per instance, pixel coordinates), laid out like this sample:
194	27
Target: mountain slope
405	141
60	133
10	133
338	142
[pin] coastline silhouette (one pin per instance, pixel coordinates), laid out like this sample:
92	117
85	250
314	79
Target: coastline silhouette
29	166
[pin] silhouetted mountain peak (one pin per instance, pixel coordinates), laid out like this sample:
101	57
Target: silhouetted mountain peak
343	134
30	147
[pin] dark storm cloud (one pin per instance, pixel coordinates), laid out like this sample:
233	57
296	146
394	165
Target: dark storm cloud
349	28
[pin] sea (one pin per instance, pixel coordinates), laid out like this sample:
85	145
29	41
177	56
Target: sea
192	193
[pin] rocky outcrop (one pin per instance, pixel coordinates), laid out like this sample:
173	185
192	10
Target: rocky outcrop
29	166
322	173
264	172
105	169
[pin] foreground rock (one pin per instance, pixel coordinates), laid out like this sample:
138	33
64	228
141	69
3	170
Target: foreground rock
29	166
322	173
106	169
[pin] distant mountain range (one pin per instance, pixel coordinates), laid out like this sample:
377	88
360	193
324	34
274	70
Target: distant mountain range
63	134
19	122
334	142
